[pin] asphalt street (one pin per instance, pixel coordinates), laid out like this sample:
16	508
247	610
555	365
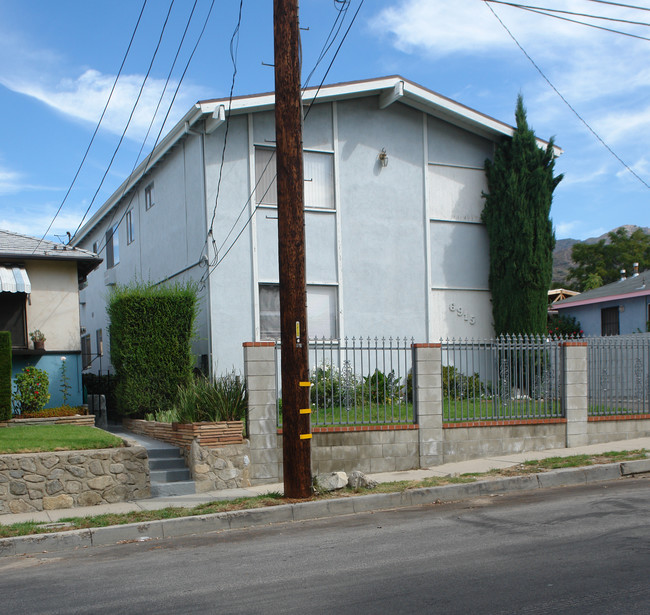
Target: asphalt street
566	550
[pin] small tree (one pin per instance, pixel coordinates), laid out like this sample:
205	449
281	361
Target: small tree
151	330
5	375
520	183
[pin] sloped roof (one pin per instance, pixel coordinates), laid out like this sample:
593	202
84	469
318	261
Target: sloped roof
16	247
388	90
635	286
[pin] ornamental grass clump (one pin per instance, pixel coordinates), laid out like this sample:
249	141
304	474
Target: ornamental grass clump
32	390
205	399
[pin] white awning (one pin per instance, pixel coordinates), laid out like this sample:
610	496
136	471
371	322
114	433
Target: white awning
14	280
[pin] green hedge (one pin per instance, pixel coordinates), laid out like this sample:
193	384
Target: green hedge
151	329
5	375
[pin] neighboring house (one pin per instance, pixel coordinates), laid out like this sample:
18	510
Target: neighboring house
618	308
395	245
559	294
39	289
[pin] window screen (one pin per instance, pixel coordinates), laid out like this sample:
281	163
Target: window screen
12	317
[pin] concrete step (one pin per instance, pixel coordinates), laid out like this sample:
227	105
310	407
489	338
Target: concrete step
185	487
163	453
169	476
177	463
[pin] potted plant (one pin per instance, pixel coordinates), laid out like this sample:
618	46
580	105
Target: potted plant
38	338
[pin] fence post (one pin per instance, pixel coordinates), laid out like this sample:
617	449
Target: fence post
259	370
575	393
427	389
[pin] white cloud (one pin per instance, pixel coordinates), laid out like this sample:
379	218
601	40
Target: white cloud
85	96
33	221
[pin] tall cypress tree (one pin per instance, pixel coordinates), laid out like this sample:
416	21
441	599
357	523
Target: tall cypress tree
520	183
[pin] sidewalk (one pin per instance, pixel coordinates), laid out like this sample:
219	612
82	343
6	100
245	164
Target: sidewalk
188	501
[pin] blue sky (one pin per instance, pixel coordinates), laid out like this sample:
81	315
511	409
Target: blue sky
58	62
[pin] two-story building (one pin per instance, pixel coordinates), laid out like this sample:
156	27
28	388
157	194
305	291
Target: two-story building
394	175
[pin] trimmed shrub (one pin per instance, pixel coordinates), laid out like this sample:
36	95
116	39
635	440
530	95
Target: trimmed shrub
151	329
5	375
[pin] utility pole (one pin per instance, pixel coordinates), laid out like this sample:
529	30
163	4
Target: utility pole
296	412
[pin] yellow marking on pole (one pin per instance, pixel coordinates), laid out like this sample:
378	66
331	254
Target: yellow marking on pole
305	384
305	410
305	436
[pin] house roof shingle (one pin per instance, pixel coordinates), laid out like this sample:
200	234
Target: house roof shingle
635	286
16	247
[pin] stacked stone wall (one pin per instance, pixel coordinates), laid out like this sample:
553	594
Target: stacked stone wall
32	482
226	467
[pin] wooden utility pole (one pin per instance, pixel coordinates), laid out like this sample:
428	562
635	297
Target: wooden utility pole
296	431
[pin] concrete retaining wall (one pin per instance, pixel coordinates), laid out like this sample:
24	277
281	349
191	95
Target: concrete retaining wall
462	443
607	429
45	481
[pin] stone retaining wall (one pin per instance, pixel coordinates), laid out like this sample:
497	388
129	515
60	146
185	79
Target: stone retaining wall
226	467
622	427
68	479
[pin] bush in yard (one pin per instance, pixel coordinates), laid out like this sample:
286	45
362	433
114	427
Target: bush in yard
5	375
151	330
559	325
32	390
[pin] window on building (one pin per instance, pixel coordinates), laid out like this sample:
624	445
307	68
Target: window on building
319	178
609	324
13	317
86	351
100	342
322	311
112	247
130	236
148	196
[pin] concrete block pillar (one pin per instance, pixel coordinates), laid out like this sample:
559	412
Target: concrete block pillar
575	393
427	391
262	423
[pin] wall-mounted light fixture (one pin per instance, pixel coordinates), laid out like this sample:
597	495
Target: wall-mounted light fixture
383	157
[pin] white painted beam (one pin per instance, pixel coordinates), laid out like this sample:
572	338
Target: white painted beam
218	118
388	97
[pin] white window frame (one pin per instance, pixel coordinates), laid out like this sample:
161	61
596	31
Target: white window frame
149	201
112	247
271	334
266	191
130	235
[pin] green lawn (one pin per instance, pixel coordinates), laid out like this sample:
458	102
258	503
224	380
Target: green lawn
46	438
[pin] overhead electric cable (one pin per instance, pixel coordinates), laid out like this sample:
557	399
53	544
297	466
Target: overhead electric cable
234	50
144	81
545	11
211	268
153	119
566	102
582	23
625	6
169	108
92	139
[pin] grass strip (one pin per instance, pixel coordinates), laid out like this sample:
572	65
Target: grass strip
49	438
275	498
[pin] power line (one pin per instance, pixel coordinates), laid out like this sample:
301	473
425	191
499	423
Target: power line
625	6
582	23
153	118
566	102
545	11
137	100
220	260
92	139
342	10
169	108
234	49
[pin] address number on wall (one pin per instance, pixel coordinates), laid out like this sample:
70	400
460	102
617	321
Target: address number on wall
462	313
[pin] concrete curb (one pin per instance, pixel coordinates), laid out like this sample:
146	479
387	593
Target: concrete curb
217	522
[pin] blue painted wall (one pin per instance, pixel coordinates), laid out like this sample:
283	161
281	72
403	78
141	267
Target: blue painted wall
51	363
631	320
